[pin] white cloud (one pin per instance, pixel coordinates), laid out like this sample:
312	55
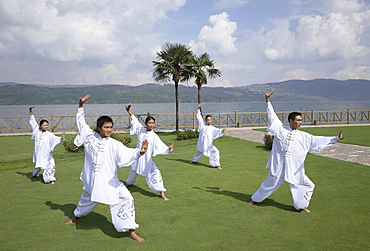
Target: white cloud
217	39
105	41
352	71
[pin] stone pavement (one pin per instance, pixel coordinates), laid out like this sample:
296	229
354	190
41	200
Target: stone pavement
346	152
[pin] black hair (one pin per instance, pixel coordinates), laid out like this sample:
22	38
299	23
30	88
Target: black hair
208	116
149	118
292	115
103	119
43	121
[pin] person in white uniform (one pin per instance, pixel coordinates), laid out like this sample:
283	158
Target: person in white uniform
145	165
103	155
207	133
286	161
45	142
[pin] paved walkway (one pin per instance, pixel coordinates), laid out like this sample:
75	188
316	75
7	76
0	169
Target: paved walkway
346	152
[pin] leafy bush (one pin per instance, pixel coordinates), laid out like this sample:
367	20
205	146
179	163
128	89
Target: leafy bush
187	134
268	139
70	147
121	138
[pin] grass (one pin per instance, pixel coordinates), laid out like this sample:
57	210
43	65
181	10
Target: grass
208	209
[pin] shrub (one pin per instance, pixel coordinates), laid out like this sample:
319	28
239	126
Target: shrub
70	147
268	139
187	134
121	138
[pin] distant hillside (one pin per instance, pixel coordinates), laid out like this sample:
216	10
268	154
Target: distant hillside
297	90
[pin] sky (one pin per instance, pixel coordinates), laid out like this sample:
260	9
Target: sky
94	42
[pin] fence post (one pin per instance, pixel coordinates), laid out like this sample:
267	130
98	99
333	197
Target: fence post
53	128
347	116
236	119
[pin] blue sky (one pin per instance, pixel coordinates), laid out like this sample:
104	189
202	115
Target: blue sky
80	42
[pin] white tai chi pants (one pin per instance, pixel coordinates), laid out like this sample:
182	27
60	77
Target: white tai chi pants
214	158
123	214
48	175
154	180
301	193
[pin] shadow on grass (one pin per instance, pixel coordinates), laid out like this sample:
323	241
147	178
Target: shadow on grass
136	189
247	198
193	164
91	221
32	179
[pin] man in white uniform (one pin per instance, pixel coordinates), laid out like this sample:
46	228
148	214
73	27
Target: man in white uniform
45	142
207	133
99	175
286	161
145	166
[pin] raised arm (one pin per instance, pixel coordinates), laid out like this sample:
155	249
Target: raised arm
268	95
128	109
274	123
83	100
83	128
30	109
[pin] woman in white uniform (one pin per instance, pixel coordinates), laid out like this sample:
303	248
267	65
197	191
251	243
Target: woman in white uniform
45	142
145	165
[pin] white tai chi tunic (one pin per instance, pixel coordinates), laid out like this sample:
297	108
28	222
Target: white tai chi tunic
99	175
145	165
207	133
286	161
45	142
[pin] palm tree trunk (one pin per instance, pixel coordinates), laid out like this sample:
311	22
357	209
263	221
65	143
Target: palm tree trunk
177	104
199	88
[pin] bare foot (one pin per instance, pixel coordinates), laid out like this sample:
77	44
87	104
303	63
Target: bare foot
218	167
306	210
192	162
73	220
252	203
52	182
164	197
134	236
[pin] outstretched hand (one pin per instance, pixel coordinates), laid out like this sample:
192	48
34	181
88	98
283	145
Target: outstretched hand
128	109
144	146
224	128
171	146
83	100
200	105
63	135
340	136
268	95
31	107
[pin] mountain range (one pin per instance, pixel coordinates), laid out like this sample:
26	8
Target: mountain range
295	90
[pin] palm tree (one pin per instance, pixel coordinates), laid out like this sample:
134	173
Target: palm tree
171	67
201	68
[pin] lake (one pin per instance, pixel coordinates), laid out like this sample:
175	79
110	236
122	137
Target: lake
184	108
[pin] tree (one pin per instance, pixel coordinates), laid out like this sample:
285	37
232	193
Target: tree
201	68
170	67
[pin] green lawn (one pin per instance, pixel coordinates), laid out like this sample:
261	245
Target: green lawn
208	209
